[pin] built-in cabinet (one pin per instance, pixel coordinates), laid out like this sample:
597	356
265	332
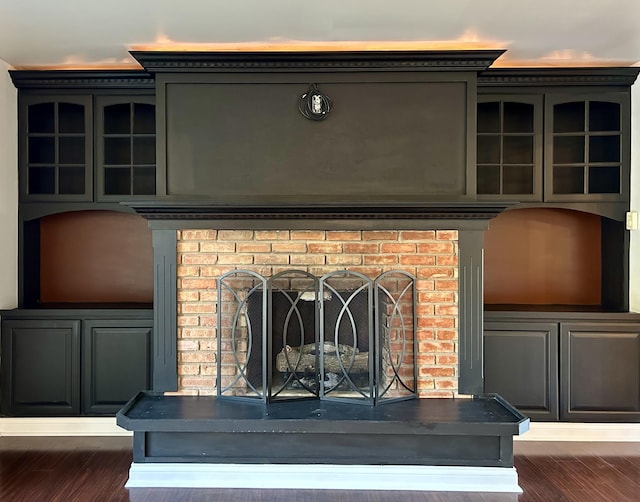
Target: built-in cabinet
559	342
521	364
87	147
80	342
509	143
56	148
600	371
40	367
546	138
586	147
564	368
553	146
73	362
125	147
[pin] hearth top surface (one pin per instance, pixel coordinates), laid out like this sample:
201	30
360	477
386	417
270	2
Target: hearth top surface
157	412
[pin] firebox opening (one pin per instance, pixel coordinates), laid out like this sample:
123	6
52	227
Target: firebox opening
342	336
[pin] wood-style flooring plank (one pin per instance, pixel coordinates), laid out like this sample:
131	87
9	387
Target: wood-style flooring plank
90	469
580	478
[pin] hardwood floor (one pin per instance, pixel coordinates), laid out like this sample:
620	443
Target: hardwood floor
95	469
585	472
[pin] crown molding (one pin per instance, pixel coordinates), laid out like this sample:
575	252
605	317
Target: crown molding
315	61
583	76
74	79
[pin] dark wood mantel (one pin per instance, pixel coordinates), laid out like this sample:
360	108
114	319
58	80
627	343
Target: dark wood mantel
239	213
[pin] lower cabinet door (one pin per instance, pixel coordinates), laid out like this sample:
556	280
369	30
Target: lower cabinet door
115	363
40	367
521	364
600	366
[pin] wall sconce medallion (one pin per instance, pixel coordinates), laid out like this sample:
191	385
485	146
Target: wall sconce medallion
314	105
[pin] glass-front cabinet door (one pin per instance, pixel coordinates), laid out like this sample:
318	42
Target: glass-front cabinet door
509	147
56	148
125	147
586	147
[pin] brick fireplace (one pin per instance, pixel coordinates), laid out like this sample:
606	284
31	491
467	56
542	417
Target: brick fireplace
429	255
225	442
385	185
440	244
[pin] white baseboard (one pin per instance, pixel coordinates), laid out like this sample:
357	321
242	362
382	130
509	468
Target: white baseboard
582	432
61	426
106	426
324	477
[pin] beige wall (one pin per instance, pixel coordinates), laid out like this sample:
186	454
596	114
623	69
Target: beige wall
8	191
634	252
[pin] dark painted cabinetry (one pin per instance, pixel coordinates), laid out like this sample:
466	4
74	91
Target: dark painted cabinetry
115	363
560	136
85	136
60	133
509	157
587	147
80	343
88	363
557	141
521	364
564	368
125	147
600	371
56	147
40	367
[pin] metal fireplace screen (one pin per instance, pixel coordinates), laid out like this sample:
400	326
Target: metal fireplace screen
342	336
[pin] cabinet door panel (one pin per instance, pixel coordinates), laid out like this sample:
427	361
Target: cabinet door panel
587	151
40	371
600	371
509	147
521	364
125	147
115	363
56	148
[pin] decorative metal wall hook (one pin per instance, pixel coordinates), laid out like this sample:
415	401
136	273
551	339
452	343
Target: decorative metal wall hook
314	105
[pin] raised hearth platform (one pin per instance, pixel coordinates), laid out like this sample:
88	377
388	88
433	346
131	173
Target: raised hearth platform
421	439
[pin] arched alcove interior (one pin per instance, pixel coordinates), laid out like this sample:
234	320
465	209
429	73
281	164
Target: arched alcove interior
94	257
554	257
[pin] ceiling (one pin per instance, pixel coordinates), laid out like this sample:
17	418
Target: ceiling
81	33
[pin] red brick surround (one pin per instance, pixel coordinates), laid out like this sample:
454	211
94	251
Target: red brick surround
431	256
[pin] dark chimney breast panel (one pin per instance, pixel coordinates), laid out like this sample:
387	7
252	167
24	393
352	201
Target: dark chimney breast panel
399	126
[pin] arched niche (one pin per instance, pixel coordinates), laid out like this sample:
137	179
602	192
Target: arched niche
93	257
552	256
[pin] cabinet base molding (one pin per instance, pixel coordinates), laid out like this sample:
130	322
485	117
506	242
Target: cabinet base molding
564	431
61	426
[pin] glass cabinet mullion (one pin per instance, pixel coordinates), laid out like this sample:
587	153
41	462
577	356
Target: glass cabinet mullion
512	158
599	119
501	116
587	143
131	136
57	156
117	161
56	126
